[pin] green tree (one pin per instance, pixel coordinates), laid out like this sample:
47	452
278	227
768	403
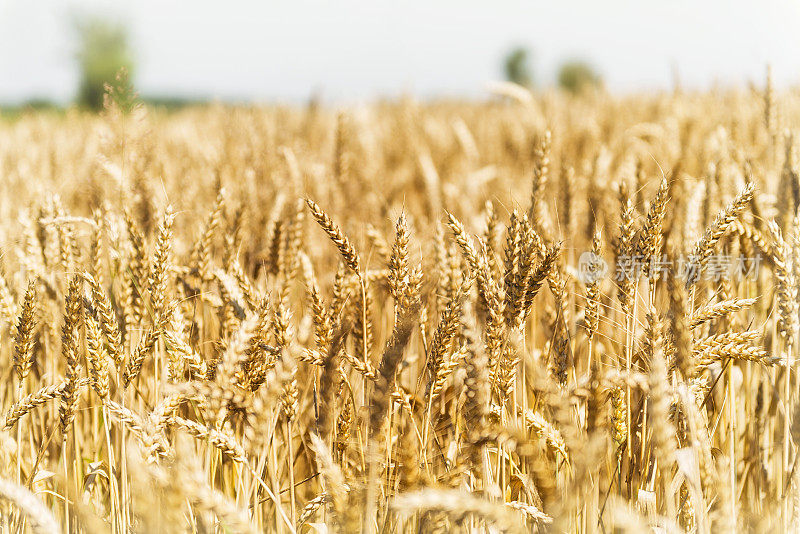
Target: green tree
103	51
517	68
577	75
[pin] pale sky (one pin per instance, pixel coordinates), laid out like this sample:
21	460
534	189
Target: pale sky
286	50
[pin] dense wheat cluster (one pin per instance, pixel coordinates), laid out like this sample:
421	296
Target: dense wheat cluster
383	318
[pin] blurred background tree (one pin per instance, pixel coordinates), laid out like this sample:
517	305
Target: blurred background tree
577	75
517	68
103	50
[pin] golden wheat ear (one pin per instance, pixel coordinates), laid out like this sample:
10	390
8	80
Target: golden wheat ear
336	235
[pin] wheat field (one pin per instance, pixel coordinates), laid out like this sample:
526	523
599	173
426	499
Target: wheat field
538	312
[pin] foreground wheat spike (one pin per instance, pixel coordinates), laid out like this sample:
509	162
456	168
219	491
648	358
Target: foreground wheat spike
538	276
106	318
97	356
447	328
159	270
144	431
592	293
650	237
223	441
311	507
69	349
705	246
23	349
335	234
787	285
31	401
719	309
398	257
625	243
136	359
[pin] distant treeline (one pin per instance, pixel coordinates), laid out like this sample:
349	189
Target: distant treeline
170	103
